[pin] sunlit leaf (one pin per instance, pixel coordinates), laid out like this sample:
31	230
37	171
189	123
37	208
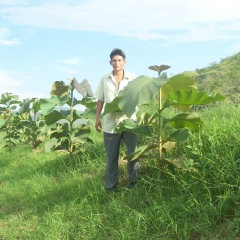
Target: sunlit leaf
178	82
139	91
60	89
182	82
183	120
168	146
25	116
47	105
191	97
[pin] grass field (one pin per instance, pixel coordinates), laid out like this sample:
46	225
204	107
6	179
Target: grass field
194	195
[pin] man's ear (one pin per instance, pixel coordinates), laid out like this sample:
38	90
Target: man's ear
110	62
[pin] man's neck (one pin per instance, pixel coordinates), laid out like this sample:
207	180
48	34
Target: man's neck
118	73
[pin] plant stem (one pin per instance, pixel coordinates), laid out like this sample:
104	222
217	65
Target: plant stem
160	129
70	127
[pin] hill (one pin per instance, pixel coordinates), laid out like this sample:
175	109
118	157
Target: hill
222	77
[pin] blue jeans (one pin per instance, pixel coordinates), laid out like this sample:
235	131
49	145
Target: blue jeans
112	142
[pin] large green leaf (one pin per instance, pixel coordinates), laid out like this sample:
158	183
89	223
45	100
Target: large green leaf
50	145
191	97
47	105
2	122
88	102
56	144
60	135
81	139
89	115
139	91
112	106
53	117
180	135
179	82
185	120
83	129
3	144
2	135
81	134
130	126
140	152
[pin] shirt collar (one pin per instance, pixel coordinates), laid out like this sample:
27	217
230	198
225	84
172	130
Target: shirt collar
126	75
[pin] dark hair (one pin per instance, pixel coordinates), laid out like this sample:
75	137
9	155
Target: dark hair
117	51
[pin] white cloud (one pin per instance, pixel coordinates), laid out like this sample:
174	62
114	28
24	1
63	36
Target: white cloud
139	19
4	32
72	61
66	70
9	42
12	2
8	83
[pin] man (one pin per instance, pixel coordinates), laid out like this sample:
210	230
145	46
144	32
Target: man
107	90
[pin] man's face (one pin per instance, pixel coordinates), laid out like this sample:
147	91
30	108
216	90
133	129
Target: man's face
118	63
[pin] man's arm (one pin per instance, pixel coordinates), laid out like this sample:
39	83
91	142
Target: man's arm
98	124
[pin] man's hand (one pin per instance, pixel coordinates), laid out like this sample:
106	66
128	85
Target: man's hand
98	125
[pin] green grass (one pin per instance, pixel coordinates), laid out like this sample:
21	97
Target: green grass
195	195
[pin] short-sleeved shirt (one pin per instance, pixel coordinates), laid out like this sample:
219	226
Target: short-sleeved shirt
106	91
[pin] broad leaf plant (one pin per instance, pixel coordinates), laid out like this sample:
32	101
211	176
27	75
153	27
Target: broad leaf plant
69	131
179	91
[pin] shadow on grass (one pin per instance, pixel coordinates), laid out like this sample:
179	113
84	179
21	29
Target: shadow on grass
33	179
40	182
25	162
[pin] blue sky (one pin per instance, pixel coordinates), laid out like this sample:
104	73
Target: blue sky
46	41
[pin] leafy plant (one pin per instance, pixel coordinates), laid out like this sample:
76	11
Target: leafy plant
32	127
8	120
179	91
69	131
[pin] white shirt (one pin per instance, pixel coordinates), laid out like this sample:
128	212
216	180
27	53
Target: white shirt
107	90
